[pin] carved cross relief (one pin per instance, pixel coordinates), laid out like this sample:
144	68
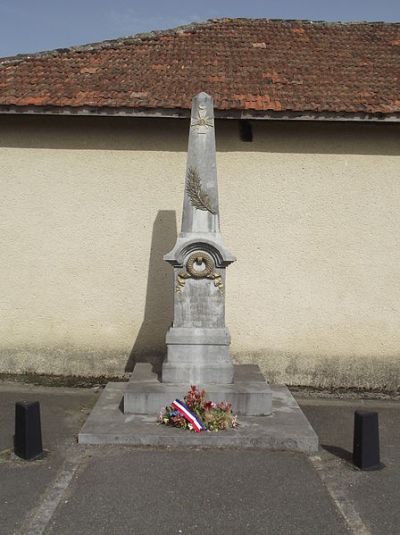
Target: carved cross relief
202	122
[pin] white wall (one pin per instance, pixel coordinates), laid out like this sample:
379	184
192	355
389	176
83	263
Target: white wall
90	205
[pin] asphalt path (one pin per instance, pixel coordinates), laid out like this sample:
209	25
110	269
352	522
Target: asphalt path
232	492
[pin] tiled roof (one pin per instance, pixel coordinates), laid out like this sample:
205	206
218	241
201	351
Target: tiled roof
245	64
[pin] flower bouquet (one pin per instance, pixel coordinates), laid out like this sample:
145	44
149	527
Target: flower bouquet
197	413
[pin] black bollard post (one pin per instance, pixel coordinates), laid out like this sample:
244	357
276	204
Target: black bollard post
28	433
366	441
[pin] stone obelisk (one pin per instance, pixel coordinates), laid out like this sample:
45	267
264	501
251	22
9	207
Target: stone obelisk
198	340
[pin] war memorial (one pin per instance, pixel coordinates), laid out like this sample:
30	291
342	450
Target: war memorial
197	343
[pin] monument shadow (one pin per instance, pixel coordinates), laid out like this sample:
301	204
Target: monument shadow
149	345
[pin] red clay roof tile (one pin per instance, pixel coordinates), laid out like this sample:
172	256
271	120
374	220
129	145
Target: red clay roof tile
245	64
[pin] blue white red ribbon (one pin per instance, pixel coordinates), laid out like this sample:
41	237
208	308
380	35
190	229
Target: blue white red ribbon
184	410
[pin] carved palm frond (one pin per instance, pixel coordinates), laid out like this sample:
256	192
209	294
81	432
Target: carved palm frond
197	197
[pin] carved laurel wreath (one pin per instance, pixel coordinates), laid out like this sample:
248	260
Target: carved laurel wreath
208	272
200	258
198	198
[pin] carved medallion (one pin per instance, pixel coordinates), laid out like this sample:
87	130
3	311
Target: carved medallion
199	265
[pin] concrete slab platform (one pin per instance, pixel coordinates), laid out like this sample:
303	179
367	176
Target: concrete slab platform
285	429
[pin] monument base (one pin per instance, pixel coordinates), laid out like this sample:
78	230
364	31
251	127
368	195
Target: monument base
188	373
286	428
249	394
198	356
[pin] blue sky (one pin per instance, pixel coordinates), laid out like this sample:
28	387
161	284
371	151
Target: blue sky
33	25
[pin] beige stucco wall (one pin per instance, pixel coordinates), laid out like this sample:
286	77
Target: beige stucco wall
90	205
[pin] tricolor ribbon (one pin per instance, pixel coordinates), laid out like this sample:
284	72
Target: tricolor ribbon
184	410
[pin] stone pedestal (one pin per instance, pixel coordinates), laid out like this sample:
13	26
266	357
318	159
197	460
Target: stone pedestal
249	393
198	356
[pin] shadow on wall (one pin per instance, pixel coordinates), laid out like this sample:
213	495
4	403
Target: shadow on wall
149	345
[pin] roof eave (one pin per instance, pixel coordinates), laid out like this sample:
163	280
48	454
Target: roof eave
182	113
